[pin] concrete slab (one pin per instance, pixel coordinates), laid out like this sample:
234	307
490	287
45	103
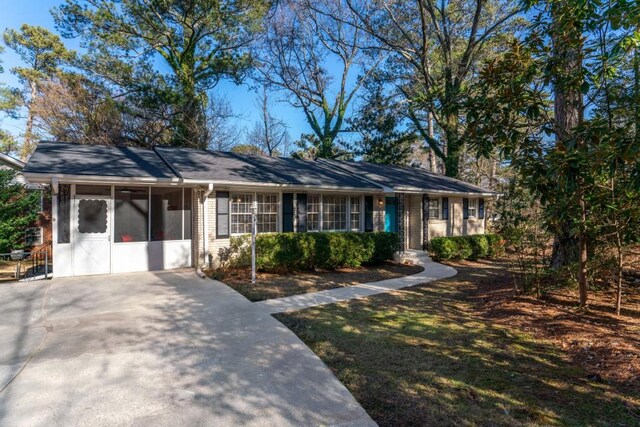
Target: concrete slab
432	271
157	349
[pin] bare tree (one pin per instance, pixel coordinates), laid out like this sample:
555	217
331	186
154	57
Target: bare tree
435	47
222	129
312	58
270	134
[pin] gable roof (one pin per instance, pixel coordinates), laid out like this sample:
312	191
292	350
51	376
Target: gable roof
174	164
232	168
402	178
58	158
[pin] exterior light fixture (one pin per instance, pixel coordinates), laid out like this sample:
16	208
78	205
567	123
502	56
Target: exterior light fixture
380	202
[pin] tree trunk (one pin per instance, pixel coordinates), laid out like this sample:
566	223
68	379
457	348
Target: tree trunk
433	161
582	268
569	110
28	146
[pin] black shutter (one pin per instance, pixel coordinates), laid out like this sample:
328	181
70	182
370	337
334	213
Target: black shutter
368	213
481	208
445	208
465	208
222	214
302	213
287	212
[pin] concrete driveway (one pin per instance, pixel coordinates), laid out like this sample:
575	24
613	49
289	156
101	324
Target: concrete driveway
157	349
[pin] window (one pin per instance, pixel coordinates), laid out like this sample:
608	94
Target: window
166	213
186	211
355	213
131	214
92	216
334	213
93	190
473	208
267	213
33	236
241	213
434	208
313	212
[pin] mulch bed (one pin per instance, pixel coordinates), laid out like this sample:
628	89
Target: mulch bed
606	345
270	286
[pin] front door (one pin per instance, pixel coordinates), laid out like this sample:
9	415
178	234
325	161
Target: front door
390	212
91	235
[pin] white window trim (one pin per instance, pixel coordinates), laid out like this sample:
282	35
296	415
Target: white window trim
475	208
347	219
254	195
439	200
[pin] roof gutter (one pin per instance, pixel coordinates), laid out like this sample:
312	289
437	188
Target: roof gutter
43	178
306	187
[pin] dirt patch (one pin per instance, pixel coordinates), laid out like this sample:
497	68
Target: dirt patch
606	345
270	286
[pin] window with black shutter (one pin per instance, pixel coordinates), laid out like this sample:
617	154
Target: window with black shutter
222	214
481	208
301	206
465	208
445	208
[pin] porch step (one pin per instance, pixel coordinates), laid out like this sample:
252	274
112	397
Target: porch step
412	257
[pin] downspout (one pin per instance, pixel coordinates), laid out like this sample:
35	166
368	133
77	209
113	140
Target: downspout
205	219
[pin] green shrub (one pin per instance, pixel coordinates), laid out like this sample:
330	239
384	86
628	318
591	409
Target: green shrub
442	248
279	252
479	246
466	247
463	247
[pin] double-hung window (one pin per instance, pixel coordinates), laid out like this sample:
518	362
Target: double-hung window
267	213
334	213
473	208
434	208
313	212
241	213
355	213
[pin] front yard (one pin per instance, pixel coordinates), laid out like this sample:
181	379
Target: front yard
270	286
464	351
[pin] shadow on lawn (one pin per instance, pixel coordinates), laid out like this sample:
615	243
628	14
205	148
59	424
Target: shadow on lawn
422	357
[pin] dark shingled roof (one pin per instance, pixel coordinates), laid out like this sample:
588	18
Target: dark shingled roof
228	167
79	159
52	158
399	178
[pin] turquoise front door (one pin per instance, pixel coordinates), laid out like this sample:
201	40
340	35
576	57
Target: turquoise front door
390	212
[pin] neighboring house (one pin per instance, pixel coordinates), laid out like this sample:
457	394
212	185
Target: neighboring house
37	237
122	209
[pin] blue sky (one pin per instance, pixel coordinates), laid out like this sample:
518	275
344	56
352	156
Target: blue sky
14	13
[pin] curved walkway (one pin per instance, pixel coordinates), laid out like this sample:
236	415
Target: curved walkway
432	271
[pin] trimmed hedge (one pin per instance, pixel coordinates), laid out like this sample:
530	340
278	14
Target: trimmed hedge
278	252
466	247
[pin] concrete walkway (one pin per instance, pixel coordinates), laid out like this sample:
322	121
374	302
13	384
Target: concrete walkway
157	349
432	271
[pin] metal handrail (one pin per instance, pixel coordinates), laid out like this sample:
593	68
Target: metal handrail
30	265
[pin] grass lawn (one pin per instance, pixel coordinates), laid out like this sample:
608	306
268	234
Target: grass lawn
270	286
433	355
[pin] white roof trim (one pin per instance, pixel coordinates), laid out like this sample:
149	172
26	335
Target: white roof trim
93	179
306	187
12	162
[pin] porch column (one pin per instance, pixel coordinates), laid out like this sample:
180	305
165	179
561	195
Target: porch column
425	222
400	220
